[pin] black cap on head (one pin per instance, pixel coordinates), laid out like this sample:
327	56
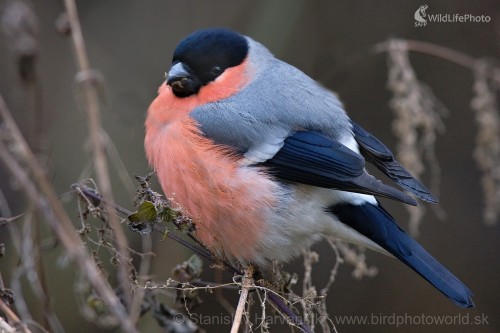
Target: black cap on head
206	54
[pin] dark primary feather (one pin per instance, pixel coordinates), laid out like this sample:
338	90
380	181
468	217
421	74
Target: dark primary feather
313	159
379	155
378	225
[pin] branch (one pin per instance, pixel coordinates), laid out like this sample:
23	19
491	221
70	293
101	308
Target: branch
5	327
56	217
246	283
13	317
98	143
436	50
273	297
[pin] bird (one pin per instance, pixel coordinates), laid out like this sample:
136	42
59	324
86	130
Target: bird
266	161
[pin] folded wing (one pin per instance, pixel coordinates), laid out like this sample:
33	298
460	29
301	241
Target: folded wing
314	159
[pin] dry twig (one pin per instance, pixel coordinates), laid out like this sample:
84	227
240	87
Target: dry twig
484	104
91	105
246	284
417	122
13	317
55	215
487	150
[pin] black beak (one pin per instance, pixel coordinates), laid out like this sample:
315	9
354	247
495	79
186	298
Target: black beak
182	81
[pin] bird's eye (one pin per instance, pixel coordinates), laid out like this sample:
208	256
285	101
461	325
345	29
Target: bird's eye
216	70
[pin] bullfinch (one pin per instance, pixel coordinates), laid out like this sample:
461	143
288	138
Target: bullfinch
266	161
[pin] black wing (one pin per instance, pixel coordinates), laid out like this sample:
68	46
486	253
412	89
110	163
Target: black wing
313	159
379	155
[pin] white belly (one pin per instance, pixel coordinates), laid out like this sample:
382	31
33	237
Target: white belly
304	220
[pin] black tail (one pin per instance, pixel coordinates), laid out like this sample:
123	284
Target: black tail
378	225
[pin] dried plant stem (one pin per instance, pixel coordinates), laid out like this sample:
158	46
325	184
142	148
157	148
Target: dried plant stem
246	283
487	149
56	217
439	51
13	317
98	144
487	115
219	296
5	327
135	308
273	297
308	288
417	122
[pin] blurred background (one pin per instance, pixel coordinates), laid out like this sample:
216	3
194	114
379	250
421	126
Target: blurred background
131	42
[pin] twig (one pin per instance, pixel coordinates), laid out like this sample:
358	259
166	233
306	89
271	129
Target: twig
89	193
98	144
56	217
246	283
34	268
4	221
144	268
273	297
219	296
12	316
335	269
284	309
5	327
263	324
308	289
436	50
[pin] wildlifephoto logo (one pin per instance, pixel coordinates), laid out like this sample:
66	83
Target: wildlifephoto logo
422	17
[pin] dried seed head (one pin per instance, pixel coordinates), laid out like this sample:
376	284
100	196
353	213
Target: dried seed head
417	122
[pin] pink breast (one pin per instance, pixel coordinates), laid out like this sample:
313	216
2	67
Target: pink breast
227	201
